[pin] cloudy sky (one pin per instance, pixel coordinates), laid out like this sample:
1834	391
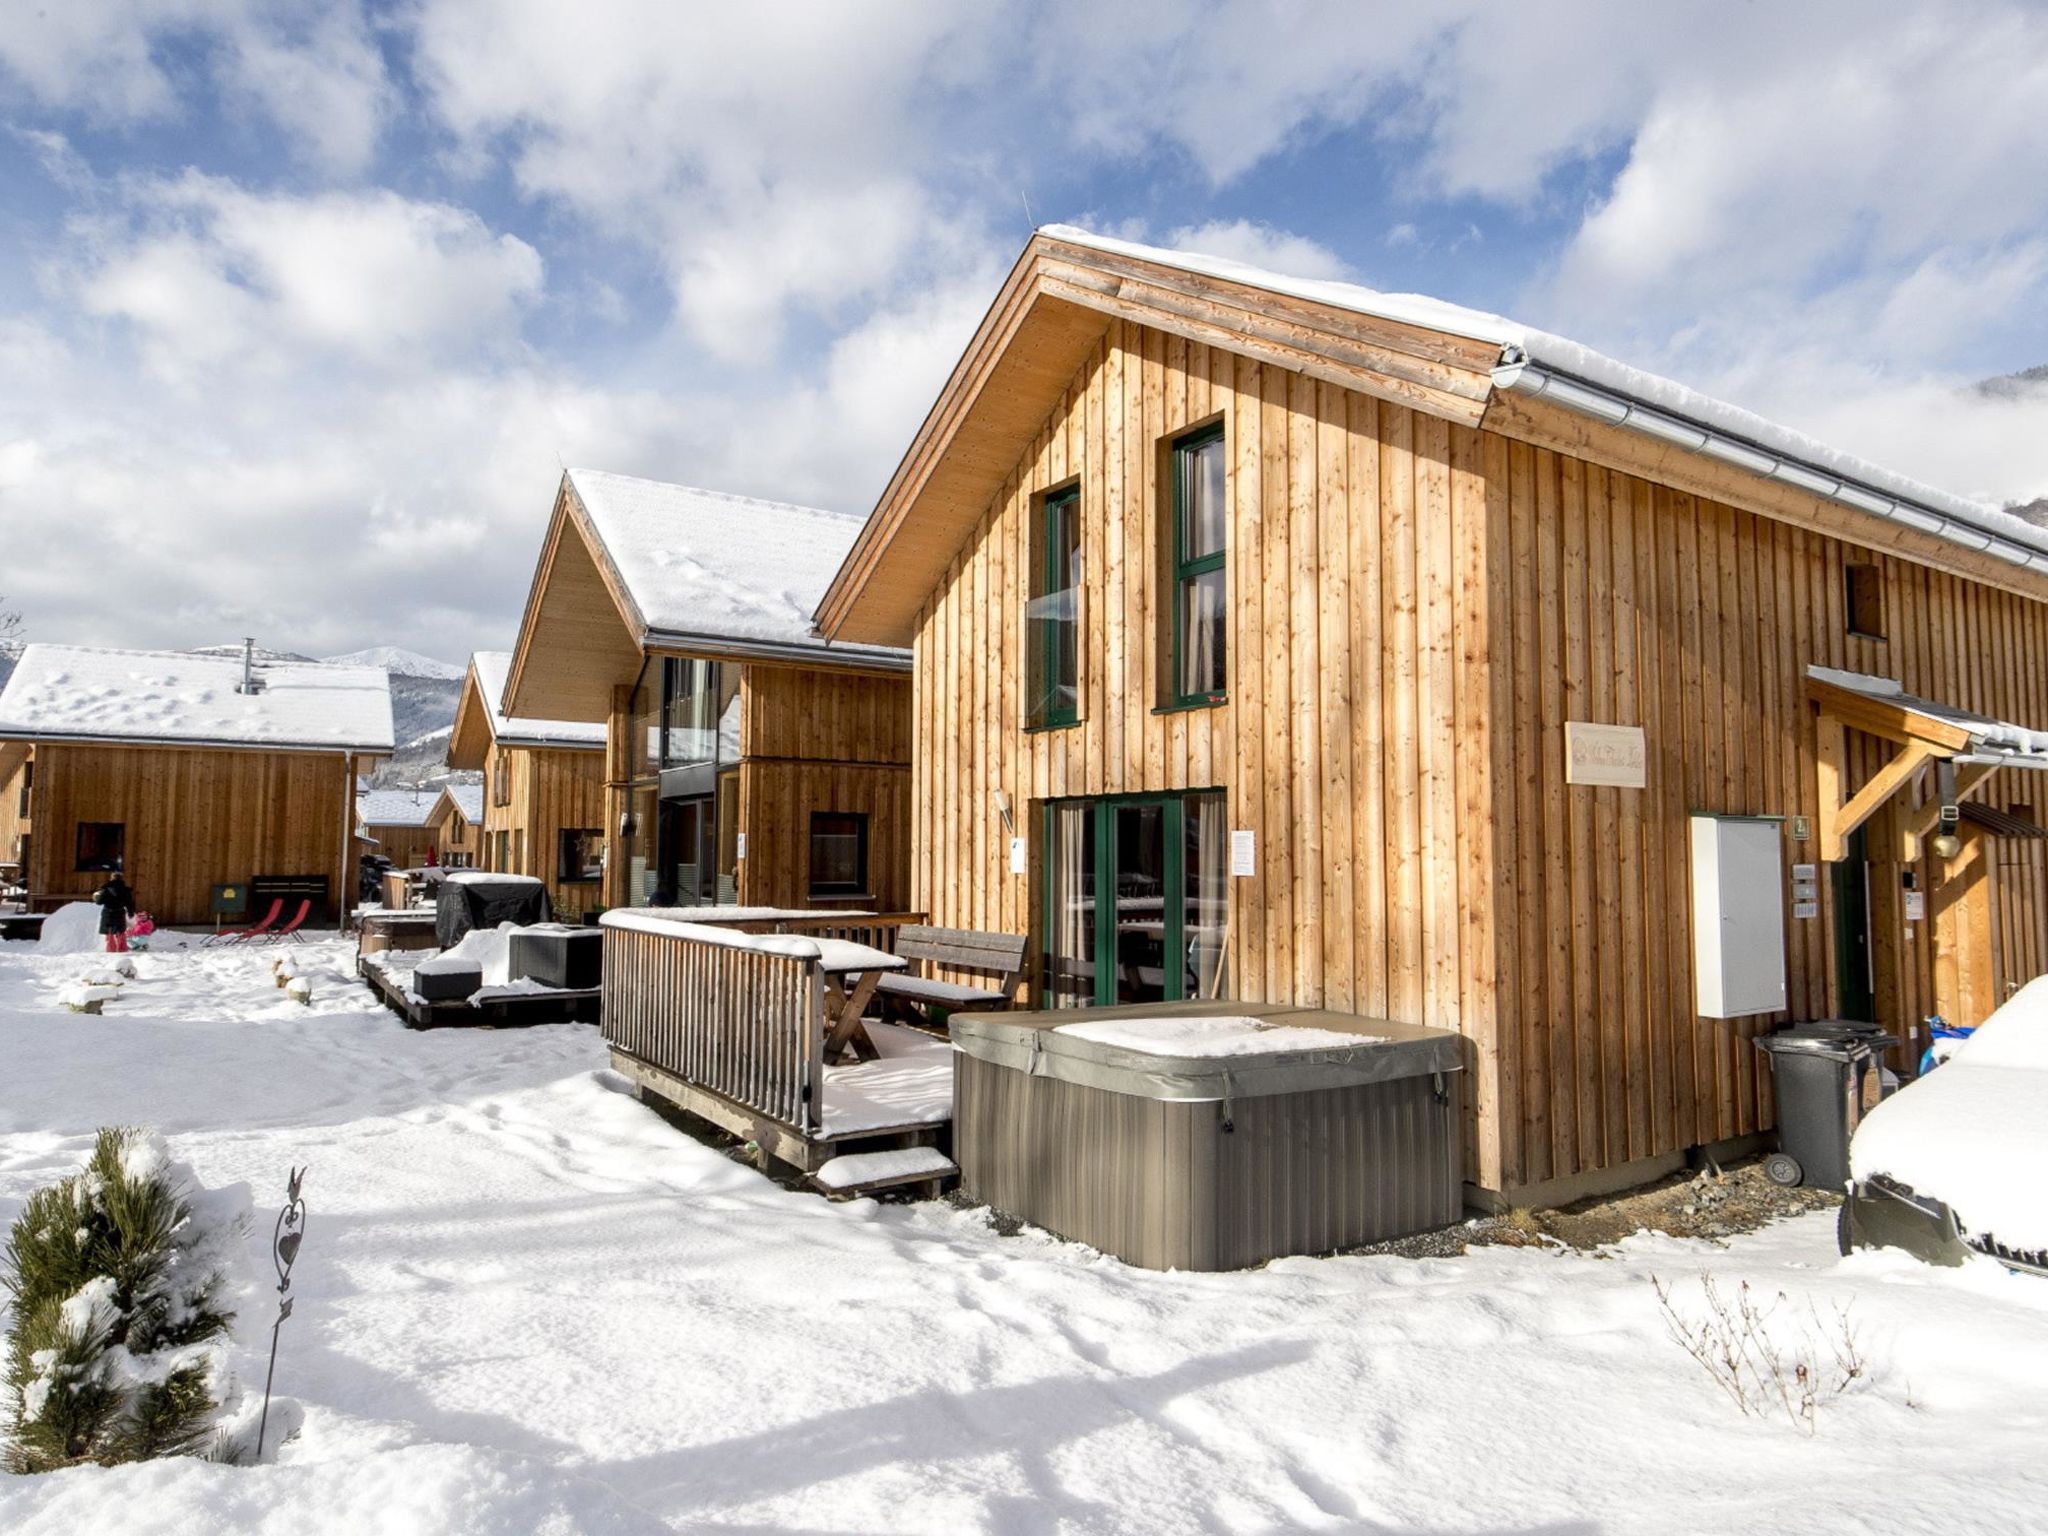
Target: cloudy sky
303	305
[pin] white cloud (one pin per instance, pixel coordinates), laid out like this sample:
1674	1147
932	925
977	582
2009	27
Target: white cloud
310	66
210	273
1260	245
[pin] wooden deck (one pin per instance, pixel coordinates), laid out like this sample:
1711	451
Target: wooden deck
509	1011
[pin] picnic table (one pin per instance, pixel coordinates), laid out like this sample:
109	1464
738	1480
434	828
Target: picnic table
852	972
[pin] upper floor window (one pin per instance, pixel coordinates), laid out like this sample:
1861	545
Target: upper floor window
1052	641
579	854
698	700
101	845
1201	521
1864	600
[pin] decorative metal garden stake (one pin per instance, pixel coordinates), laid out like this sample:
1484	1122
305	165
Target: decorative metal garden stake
284	1248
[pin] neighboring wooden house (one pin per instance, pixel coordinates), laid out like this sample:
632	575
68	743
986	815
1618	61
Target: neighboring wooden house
190	771
747	760
458	823
1329	629
542	798
17	792
394	822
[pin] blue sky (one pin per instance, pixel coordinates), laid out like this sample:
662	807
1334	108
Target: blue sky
303	306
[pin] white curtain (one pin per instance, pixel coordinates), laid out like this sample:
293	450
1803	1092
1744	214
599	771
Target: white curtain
1070	945
1208	895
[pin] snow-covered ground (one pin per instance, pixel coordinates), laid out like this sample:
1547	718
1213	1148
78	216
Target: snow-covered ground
528	1304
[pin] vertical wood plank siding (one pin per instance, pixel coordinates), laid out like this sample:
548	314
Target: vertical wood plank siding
1417	607
744	1024
551	788
194	819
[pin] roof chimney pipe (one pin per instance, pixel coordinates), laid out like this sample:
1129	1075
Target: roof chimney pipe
249	683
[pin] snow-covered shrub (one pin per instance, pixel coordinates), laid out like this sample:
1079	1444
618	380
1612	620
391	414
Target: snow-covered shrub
1763	1366
115	1278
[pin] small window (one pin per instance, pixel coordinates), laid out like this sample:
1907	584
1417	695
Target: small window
101	844
1866	601
28	780
581	856
501	782
1052	641
839	854
1200	532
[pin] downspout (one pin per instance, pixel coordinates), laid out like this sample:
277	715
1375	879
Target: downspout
1517	374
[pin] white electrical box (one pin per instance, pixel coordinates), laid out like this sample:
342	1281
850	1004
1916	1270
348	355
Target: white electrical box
1738	916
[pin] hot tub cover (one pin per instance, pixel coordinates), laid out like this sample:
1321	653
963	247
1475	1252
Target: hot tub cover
1303	1052
477	899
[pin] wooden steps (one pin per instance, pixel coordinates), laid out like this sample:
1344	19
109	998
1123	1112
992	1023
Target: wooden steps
853	1174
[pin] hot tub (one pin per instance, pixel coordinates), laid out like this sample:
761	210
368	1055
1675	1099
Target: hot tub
1209	1135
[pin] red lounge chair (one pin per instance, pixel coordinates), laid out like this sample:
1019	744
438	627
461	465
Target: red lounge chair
291	929
235	935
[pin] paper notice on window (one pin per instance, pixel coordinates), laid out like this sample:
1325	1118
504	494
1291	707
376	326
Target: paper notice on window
739	845
1916	906
1244	852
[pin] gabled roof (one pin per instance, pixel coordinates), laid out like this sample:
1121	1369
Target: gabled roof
173	698
395	807
1462	364
631	566
465	800
480	719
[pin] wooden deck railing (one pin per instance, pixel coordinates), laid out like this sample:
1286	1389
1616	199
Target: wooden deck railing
877	932
746	1025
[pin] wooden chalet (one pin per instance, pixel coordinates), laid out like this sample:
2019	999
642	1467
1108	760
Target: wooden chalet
395	823
542	801
1383	656
458	823
186	772
746	761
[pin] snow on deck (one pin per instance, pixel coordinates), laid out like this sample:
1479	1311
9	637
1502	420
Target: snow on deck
698	562
526	1302
912	1084
60	691
492	668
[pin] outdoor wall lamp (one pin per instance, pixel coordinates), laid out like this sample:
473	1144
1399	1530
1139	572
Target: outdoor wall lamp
1945	843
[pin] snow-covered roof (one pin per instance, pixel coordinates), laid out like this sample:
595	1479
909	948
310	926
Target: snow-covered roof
1523	345
396	807
704	565
2002	742
467	798
75	692
519	730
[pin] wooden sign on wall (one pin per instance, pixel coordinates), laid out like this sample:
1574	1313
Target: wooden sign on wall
1612	755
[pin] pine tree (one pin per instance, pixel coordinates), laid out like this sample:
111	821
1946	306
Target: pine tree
114	1291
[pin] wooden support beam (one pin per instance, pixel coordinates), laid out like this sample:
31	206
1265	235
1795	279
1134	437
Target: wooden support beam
1838	818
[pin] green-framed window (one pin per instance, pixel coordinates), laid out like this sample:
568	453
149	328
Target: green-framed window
1201	522
1052	631
1136	898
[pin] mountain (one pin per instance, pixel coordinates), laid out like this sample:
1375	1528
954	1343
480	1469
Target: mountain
400	662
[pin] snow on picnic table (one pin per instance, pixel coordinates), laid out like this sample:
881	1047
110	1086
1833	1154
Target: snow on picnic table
527	1303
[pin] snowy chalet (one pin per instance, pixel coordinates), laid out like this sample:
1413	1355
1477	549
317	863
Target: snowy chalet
542	799
1425	666
188	771
746	760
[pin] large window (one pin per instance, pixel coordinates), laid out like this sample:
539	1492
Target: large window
1136	893
1200	532
1051	638
101	844
700	700
839	853
580	855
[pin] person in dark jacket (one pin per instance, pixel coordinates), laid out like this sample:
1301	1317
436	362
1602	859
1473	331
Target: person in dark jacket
117	905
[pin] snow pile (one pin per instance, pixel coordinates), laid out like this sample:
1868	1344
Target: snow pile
80	996
73	929
1220	1035
488	949
1974	1132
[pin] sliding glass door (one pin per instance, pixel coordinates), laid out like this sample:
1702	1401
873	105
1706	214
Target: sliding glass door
1136	897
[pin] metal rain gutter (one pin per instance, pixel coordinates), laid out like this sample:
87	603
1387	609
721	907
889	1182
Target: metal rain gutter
814	654
1518	375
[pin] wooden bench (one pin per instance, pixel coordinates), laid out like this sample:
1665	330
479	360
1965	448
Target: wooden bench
928	1001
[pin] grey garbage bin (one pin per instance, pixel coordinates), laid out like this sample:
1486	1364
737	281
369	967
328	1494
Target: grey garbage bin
1818	1071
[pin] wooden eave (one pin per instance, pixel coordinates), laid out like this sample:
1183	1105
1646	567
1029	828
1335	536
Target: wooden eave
469	739
1050	314
580	634
12	755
